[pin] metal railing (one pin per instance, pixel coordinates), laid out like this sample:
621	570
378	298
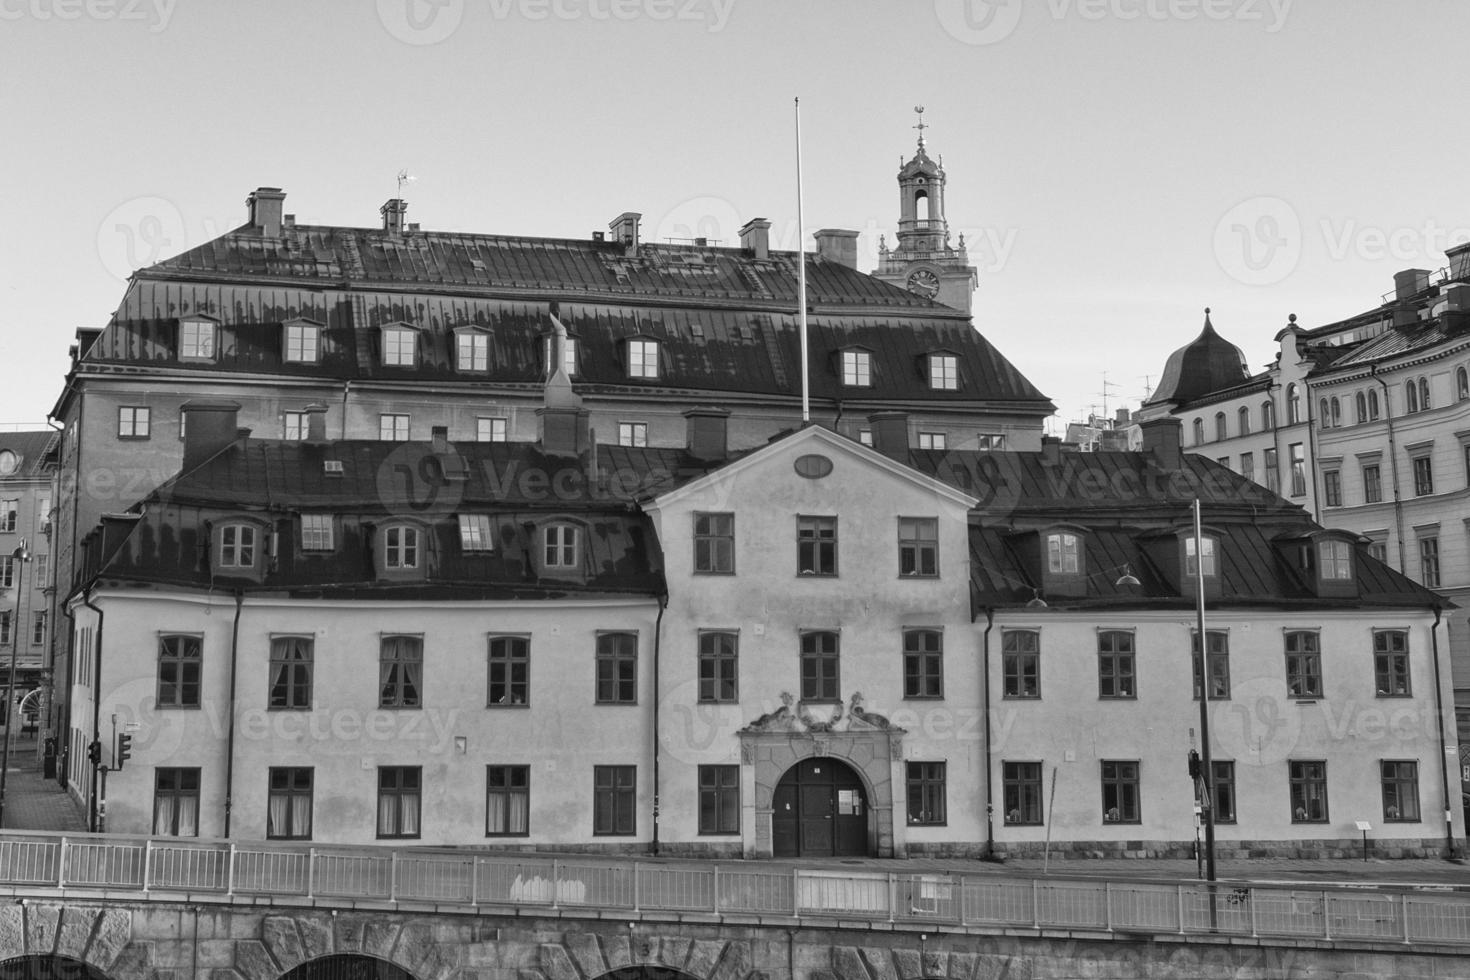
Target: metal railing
286	874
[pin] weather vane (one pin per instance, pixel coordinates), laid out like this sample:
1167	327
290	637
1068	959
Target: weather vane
404	177
921	126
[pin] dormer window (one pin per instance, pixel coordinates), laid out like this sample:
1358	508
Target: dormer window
197	340
1335	560
569	355
857	368
1063	553
1207	545
237	546
400	346
474	533
401	547
302	342
471	350
643	359
560	547
944	372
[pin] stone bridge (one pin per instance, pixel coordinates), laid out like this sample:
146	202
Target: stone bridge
133	938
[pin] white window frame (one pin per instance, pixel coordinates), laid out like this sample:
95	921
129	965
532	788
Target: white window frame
560	546
857	369
475	533
472	351
400	347
302	343
492	428
402	547
944	372
391	420
318	532
134	421
246	541
198	340
633	434
643	358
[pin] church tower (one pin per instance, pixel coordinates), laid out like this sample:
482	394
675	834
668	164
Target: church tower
923	261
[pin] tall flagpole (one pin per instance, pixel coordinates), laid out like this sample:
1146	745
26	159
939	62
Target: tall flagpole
806	409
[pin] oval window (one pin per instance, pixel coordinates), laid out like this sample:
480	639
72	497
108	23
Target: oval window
8	462
812	466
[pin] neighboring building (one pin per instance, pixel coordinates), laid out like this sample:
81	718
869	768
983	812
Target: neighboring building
693	650
27	467
393	332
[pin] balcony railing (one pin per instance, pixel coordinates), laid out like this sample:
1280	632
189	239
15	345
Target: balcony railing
448	880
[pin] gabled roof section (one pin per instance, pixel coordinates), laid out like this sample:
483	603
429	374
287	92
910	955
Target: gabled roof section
34	448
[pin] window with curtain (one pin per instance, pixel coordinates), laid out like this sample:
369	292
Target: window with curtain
288	809
291	662
179	667
507	801
399	799
400	671
176	802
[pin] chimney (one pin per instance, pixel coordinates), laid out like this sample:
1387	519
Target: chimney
212	426
837	245
1121	418
439	439
1162	437
755	237
393	211
1405	317
316	423
565	426
265	205
891	434
599	236
1409	282
1457	297
624	230
708	431
289	221
1051	450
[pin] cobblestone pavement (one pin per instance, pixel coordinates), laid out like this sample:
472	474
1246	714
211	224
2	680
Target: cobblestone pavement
33	802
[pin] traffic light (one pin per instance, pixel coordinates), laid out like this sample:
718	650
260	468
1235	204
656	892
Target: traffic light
1194	765
124	750
94	753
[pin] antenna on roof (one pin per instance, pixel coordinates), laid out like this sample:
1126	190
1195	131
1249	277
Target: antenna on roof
404	177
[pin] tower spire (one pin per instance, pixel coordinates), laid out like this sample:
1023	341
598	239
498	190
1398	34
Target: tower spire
921	126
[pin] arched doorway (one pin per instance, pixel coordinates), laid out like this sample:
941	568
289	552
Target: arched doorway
348	966
820	809
48	968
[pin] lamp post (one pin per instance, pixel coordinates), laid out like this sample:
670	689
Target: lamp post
1207	773
22	556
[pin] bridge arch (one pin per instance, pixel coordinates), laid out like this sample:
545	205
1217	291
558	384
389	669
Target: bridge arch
48	968
646	971
345	966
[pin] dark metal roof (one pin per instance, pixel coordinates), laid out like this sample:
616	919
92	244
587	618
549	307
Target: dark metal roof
34	447
1207	363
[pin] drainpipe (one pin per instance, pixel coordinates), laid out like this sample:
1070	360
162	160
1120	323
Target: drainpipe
346	387
230	736
1309	465
658	629
985	730
1444	768
1393	467
96	707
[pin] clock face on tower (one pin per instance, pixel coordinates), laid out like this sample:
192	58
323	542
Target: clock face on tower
924	283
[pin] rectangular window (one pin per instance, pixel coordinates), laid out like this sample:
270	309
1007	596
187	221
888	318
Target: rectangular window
132	423
7	572
400	547
1248	466
1224	791
642	358
288	806
179	667
301	343
944	372
918	546
816	545
1208	547
237	546
865	436
38	629
1063	554
1120	792
1219	664
1303	664
857	368
1335	560
317	532
176	802
617	668
933	440
632	433
926	793
399	801
393	427
1372	484
507	801
719	667
472	351
560	549
196	340
1273	471
9	517
819	667
5	626
923	664
399	347
1020	659
400	671
509	670
1378	550
1423	476
1429	562
1298	459
1332	488
491	429
1022	791
1400	791
719	799
1308	792
714	543
292	658
294	426
569	355
1115	664
614	800
474	533
1391	663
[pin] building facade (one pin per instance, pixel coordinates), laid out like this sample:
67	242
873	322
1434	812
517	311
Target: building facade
27	467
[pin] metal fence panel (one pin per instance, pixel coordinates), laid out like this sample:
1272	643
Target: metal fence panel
188	867
927	898
842	892
1150	908
500	881
998	901
267	871
435	878
30	862
1075	904
756	891
1365	916
1438	918
1289	912
355	875
1216	908
604	885
105	864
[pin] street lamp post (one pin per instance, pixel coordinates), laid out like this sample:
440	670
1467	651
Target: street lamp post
1207	773
22	556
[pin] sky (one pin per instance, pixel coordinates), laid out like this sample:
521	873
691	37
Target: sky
1116	166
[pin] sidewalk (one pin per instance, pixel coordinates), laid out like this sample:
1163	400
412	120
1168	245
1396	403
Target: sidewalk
33	802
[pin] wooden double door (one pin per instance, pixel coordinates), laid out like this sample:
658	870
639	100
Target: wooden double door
820	810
